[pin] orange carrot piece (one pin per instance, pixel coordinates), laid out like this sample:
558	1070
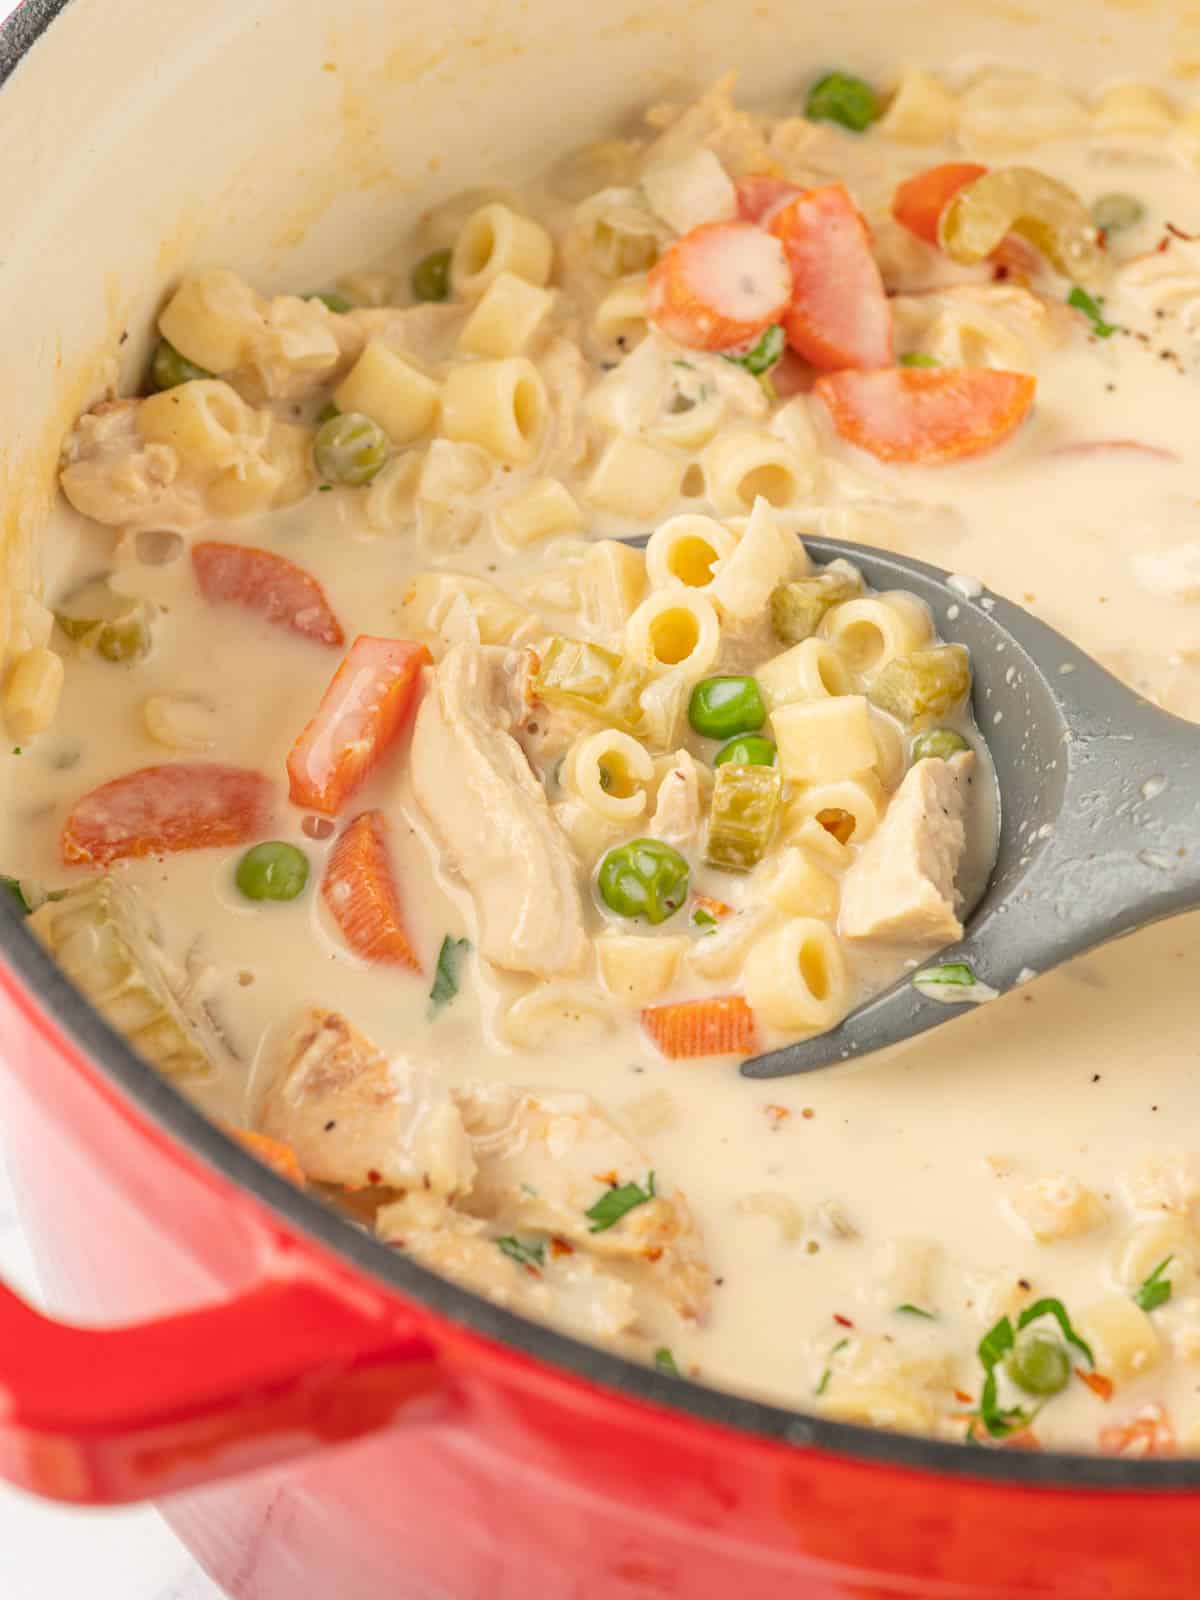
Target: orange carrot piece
273	1153
261	581
927	415
760	196
919	202
369	701
185	805
360	891
1096	1382
720	286
1148	1434
715	908
719	1026
839	314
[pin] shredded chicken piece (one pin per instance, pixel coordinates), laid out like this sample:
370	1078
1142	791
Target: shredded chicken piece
737	138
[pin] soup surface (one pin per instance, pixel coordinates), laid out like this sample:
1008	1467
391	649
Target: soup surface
456	850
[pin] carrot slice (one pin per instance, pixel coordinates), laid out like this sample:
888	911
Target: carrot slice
273	1153
361	893
719	286
839	315
181	806
259	580
923	415
720	1026
918	203
370	699
715	908
1148	1434
760	196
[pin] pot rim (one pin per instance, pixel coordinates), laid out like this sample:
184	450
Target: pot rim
164	1105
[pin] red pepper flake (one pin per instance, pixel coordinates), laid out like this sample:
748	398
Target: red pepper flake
374	1178
808	1113
963	1398
1097	1383
777	1115
560	1247
654	1254
842	1322
317	828
1188	238
610	1178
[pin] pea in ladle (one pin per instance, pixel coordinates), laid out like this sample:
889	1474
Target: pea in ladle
1099	813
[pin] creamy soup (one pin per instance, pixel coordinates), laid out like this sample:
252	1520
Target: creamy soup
455	848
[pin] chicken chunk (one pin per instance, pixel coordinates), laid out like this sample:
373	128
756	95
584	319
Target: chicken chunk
357	1117
901	888
113	475
473	782
682	805
540	1279
544	1160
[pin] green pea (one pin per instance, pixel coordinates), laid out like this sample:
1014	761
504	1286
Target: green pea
169	368
748	751
838	97
1112	212
350	448
272	871
645	878
431	276
335	302
939	742
722	707
1039	1363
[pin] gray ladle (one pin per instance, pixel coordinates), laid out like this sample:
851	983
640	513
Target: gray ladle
1099	815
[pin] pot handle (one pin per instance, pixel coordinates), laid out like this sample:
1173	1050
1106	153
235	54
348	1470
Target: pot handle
109	1416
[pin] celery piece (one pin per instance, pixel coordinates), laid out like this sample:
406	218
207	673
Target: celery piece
797	607
745	804
585	677
923	687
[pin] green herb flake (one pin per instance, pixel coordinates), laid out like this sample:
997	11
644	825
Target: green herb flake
918	358
531	1255
765	354
952	975
1081	300
665	1361
1056	1309
703	919
324	488
614	1203
907	1310
828	1373
1156	1290
11	887
999	1420
449	973
17	751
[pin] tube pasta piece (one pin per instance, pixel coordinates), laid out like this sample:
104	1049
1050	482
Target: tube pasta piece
686	551
180	722
743	463
618	232
664	704
623	317
32	692
1123	1338
612	582
922	110
205	422
792	881
891	760
507	318
1025	201
545	509
1133	108
502	406
209	318
719	1026
824	847
795	978
821	741
870	632
634	479
690	427
849	810
812	670
742	816
611	773
638	970
553	1008
765	556
674	628
496	240
1005	108
391	391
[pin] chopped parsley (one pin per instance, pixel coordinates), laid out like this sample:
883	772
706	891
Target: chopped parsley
665	1361
907	1310
17	751
765	354
615	1203
11	888
828	1373
532	1254
324	488
703	919
449	973
1156	1290
951	975
998	1342
1081	300
918	358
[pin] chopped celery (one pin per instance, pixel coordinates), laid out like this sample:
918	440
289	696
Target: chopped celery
102	937
1039	208
797	607
113	626
745	803
923	687
585	677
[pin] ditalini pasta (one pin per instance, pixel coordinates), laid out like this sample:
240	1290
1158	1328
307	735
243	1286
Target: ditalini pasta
440	752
